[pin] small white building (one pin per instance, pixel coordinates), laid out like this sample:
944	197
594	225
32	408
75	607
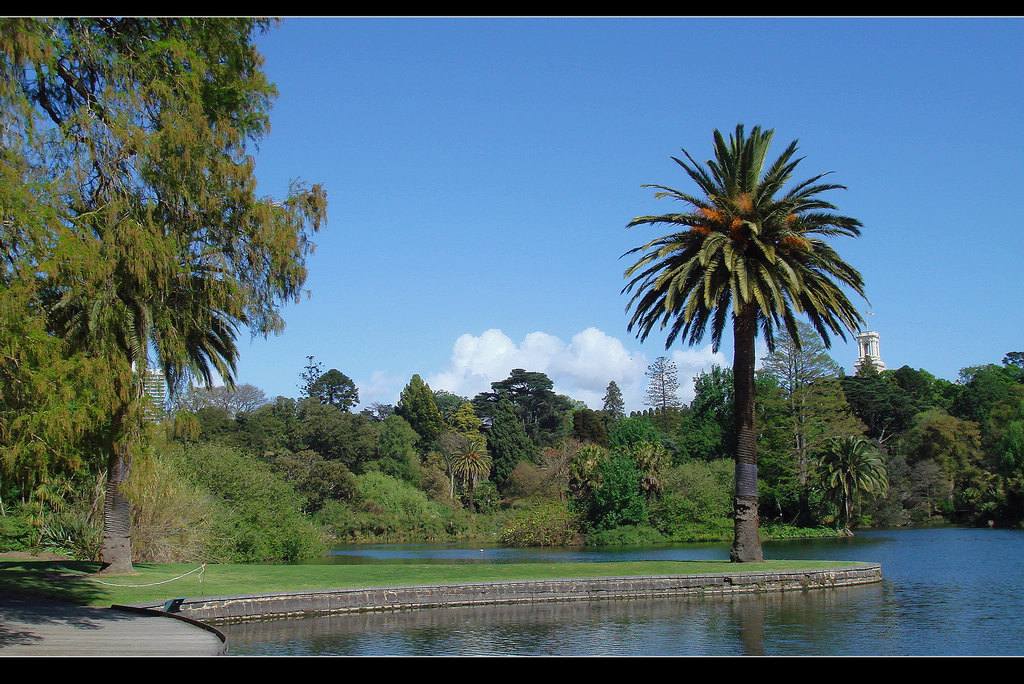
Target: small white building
155	387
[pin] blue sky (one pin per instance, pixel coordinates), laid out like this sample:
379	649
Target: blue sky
480	174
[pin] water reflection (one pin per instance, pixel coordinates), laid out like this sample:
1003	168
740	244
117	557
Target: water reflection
946	592
797	623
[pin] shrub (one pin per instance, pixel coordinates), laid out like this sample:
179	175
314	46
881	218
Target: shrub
697	502
255	515
16	533
393	495
527	481
629	535
626	432
546	524
390	510
170	519
619	500
72	537
783	531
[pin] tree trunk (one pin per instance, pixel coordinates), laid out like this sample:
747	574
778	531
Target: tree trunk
116	553
746	546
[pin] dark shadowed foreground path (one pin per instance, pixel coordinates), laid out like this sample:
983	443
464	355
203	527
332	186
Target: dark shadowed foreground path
40	627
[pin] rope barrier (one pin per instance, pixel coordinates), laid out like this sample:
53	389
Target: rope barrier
201	569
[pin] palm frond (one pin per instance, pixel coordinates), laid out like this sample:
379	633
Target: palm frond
746	241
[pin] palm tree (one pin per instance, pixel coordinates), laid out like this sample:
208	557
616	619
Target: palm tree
184	314
472	463
651	459
852	466
739	249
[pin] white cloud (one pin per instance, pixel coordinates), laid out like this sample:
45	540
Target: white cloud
380	388
691	363
580	369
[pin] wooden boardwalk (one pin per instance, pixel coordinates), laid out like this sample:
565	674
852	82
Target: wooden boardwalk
38	627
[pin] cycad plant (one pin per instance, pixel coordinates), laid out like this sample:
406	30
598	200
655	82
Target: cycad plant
743	248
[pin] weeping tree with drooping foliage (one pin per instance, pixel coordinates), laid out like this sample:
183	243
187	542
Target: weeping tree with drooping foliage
132	136
747	252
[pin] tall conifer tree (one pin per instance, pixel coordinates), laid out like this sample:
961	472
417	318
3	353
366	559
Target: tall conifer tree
416	405
508	441
663	388
614	406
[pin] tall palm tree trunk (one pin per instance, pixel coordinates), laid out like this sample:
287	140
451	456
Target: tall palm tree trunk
116	553
746	546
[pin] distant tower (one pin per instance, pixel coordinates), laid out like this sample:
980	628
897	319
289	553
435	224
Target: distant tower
867	348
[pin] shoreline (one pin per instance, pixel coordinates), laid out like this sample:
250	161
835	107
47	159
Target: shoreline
297	604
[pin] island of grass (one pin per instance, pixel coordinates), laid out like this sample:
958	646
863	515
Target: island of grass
308	589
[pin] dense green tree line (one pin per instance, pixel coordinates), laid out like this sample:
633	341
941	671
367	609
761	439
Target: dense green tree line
133	244
651	477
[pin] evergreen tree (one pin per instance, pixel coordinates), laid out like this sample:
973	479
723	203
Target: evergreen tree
311	372
619	498
416	405
335	388
954	445
816	408
508	441
867	369
663	388
396	453
613	403
884	407
1015	358
465	422
589	426
707	430
541	411
448	403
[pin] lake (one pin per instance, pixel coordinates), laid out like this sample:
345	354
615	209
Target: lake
947	591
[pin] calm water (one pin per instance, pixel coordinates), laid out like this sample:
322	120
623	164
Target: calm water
947	591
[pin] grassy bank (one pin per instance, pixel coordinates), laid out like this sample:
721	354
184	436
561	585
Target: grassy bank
71	580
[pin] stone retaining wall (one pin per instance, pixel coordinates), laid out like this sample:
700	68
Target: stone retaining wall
302	603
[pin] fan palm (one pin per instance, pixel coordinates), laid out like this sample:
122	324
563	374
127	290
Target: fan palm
741	249
852	466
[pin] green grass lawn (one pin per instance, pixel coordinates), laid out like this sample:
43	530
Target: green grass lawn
71	581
